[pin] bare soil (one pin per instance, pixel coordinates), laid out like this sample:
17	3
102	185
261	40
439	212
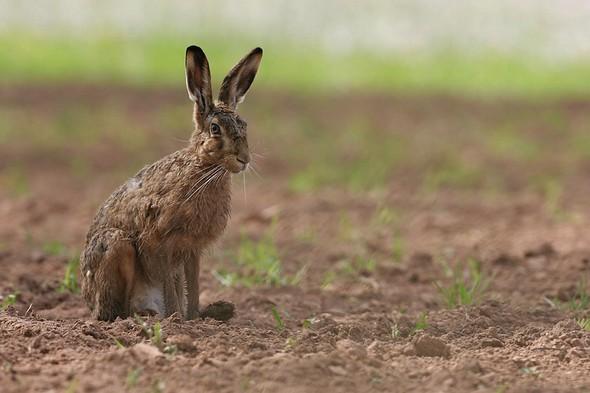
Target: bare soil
352	333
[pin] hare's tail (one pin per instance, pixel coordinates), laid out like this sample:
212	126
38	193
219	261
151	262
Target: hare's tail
108	269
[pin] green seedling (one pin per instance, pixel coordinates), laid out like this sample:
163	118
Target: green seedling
70	280
279	324
153	332
158	386
9	300
133	377
328	279
72	386
466	286
397	249
54	248
156	337
118	343
358	266
385	216
581	299
421	323
308	323
584	323
15	180
349	269
453	173
530	371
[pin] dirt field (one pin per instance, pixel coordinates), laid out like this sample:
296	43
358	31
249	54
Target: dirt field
366	211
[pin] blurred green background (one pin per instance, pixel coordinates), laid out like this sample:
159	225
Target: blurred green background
505	47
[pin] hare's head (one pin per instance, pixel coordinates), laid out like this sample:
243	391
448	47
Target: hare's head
220	136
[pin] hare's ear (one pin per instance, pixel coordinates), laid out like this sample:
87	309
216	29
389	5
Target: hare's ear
198	79
238	81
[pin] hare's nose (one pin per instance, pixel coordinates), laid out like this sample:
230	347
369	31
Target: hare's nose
243	159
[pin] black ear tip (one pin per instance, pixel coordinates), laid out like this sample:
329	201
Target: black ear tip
195	50
257	50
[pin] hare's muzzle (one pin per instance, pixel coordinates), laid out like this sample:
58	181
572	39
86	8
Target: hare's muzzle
244	161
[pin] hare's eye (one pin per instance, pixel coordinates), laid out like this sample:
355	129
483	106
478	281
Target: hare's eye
215	129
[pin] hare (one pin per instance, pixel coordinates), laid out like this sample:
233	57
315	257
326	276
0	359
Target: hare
143	249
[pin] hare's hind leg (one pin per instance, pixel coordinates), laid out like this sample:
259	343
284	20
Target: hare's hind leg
108	274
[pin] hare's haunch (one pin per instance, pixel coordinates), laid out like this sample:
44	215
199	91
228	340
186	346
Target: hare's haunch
142	250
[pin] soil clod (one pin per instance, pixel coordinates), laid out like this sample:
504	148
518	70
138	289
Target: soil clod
220	311
429	346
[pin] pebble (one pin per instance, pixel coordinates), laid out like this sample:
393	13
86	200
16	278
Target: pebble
426	345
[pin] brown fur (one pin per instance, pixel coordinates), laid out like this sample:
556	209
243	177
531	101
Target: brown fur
150	234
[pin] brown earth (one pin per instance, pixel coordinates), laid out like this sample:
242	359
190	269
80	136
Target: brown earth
346	329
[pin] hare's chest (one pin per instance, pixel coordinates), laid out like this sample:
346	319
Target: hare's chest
207	224
194	227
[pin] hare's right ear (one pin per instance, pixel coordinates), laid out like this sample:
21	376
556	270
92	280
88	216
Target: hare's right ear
198	79
238	81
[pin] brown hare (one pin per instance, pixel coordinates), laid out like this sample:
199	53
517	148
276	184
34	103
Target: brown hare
143	248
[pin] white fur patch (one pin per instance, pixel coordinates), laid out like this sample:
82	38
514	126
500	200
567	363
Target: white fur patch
133	184
152	300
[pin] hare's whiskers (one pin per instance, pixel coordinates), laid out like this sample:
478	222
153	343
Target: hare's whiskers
204	173
202	187
209	182
220	178
180	139
244	181
251	166
209	172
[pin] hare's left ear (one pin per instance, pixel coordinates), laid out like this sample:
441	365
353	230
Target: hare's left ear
198	79
238	80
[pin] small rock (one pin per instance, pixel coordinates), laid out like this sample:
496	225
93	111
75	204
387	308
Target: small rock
257	345
183	342
93	331
338	370
37	256
426	345
544	250
471	365
36	343
576	352
491	342
576	342
421	259
506	260
409	350
145	351
351	348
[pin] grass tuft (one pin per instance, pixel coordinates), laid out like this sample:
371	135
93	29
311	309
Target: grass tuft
466	285
257	263
581	299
